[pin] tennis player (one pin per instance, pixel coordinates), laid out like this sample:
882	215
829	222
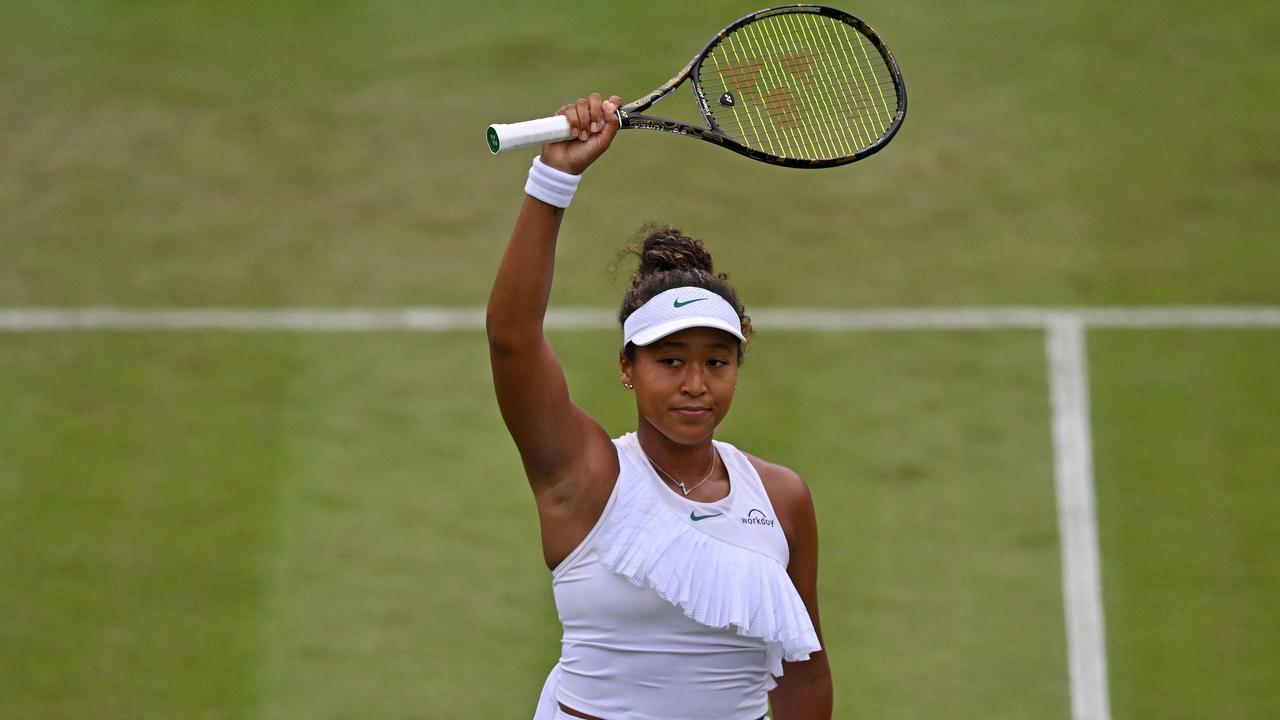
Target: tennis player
684	570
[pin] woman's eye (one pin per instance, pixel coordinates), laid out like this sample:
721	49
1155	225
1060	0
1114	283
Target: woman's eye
670	362
717	363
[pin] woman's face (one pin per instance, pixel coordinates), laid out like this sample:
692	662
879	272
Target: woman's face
684	382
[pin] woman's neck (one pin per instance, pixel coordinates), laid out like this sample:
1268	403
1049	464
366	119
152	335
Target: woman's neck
681	460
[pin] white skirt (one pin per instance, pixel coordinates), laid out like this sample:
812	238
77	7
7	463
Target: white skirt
548	708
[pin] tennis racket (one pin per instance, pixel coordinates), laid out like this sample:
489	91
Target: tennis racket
802	86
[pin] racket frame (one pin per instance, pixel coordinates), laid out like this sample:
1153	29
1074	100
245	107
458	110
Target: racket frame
629	117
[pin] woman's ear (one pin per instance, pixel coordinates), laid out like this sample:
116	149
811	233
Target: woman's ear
624	371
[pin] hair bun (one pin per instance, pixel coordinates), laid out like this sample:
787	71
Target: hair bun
670	259
665	248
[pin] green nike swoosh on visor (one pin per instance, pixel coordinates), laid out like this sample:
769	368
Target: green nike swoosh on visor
680	304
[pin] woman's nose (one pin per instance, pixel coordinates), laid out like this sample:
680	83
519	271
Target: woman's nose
693	382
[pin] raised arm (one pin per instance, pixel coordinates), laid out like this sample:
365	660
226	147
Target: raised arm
558	442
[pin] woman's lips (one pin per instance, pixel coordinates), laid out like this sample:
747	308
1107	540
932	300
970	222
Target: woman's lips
692	412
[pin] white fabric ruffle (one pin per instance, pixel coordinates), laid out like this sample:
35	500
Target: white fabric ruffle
712	582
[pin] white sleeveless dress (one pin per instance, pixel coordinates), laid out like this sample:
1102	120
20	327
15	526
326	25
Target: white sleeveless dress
674	609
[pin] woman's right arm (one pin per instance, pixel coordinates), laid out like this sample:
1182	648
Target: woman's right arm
559	444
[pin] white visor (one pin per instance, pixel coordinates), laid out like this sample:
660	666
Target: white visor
677	309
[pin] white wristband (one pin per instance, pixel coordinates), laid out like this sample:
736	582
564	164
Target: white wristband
551	186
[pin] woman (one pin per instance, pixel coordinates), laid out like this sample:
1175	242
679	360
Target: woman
684	571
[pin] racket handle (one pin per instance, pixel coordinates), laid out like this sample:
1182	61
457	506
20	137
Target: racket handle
511	136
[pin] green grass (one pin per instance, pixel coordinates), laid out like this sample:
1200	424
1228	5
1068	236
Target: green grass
332	154
406	584
1187	455
229	525
139	490
940	560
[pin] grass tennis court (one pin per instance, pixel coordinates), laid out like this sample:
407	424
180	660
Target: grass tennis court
277	528
278	524
1187	460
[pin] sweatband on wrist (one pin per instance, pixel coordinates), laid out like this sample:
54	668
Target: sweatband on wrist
551	186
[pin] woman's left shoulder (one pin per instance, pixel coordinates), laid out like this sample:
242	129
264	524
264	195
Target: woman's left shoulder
787	491
779	478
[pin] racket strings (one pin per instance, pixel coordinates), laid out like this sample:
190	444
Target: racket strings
800	85
854	107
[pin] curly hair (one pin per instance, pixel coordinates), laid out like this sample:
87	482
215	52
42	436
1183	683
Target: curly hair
670	259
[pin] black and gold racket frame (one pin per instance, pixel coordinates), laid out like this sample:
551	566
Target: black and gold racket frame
629	118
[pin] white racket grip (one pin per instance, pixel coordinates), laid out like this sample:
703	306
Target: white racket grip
531	133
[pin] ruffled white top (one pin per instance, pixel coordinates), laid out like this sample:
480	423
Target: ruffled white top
674	609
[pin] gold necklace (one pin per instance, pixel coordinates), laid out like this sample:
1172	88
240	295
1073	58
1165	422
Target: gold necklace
677	483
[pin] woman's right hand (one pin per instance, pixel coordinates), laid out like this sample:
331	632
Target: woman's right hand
594	122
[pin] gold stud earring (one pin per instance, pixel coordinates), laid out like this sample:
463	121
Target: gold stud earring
628	385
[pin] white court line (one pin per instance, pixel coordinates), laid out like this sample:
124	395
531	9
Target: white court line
1069	399
1077	518
441	319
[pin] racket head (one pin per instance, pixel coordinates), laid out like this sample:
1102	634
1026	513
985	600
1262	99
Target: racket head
804	86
